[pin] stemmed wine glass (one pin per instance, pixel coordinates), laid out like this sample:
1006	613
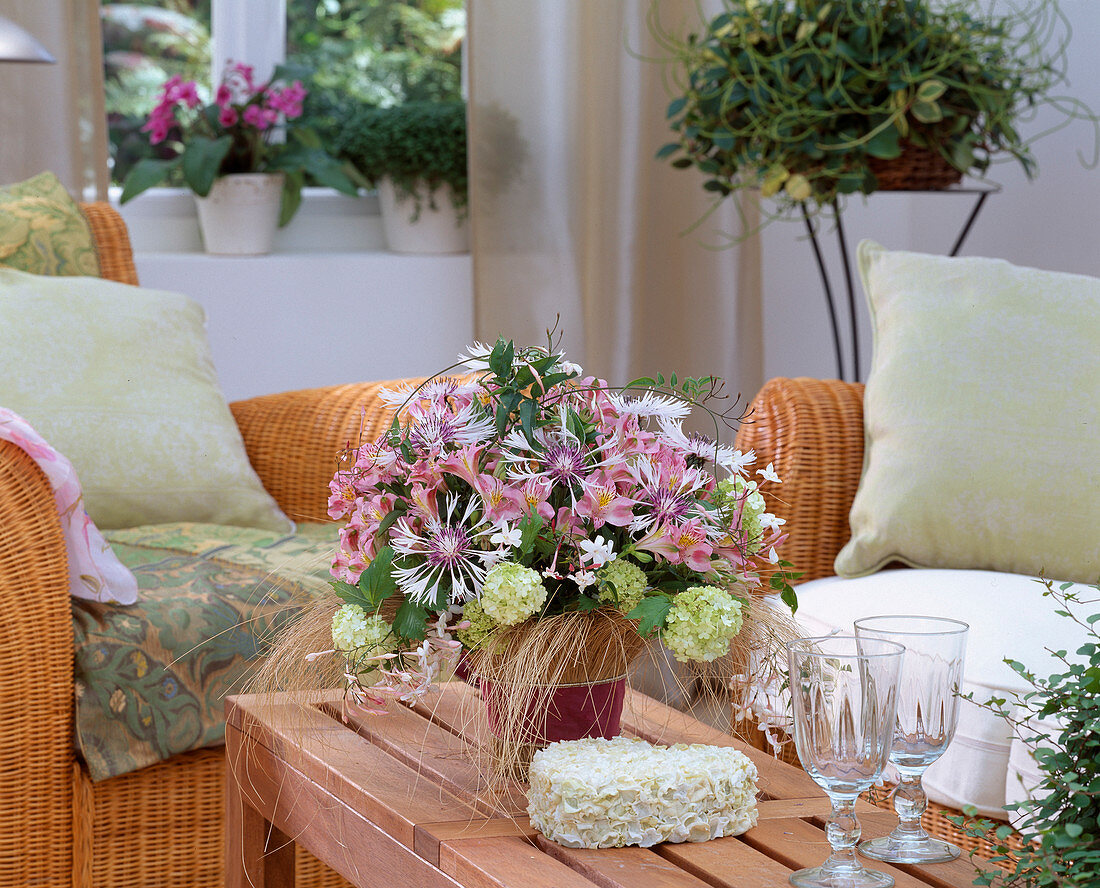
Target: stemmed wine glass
935	648
844	693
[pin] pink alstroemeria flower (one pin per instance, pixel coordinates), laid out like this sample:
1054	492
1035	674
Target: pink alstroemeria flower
502	502
602	503
692	543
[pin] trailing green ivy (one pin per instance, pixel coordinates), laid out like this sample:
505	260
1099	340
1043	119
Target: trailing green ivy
796	97
1060	825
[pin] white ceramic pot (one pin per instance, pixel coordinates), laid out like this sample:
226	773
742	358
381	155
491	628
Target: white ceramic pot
240	214
434	231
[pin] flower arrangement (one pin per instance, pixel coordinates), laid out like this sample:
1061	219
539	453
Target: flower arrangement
246	129
805	99
526	501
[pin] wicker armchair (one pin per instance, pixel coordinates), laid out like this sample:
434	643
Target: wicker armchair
162	825
812	431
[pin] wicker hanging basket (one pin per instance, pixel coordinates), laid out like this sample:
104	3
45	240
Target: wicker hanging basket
916	169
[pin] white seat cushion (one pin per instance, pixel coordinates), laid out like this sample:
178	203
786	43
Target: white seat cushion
1008	618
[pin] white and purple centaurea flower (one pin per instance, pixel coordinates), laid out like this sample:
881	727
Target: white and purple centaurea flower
446	545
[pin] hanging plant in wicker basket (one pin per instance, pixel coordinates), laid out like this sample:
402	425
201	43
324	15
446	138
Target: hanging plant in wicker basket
811	100
539	525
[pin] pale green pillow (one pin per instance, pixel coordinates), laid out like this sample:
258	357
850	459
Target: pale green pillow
42	230
119	379
981	417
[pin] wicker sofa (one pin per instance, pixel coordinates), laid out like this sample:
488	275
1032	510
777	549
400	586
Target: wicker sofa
161	825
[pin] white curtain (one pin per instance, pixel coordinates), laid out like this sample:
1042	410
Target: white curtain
52	117
574	217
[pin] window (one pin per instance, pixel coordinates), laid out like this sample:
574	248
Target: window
375	52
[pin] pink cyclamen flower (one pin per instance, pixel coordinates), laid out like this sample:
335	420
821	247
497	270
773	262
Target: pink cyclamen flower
228	116
223	96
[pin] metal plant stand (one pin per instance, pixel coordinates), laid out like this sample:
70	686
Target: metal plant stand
981	192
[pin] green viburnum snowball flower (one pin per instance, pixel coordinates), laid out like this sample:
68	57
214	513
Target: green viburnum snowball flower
629	582
512	593
701	623
354	631
481	625
730	492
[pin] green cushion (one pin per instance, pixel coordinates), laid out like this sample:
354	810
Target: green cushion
981	417
151	678
119	379
42	230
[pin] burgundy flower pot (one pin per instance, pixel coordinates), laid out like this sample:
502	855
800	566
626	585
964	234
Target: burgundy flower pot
567	712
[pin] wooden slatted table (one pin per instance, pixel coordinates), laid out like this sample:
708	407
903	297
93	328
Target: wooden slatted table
397	800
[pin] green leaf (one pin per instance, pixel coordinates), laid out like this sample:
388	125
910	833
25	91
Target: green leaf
377	582
410	622
145	174
931	90
527	410
586	604
650	613
201	160
927	112
529	530
676	106
885	143
1073	830
668	150
351	594
291	197
392	516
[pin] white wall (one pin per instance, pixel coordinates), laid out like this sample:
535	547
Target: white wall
329	306
1052	223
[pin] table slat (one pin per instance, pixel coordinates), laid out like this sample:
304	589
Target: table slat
505	862
345	839
429	836
622	867
350	767
797	844
726	863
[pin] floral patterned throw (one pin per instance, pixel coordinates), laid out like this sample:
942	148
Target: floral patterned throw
151	678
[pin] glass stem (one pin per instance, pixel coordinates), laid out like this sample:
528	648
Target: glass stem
843	832
909	803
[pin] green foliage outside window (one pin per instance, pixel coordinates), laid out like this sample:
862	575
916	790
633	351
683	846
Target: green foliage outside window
350	53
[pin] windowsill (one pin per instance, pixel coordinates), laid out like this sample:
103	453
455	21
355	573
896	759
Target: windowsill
164	221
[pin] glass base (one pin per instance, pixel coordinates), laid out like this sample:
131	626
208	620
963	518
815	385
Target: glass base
902	849
840	877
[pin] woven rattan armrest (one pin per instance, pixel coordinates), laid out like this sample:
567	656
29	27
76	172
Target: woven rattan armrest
812	431
293	439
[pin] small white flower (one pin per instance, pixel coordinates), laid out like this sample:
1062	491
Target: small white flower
506	535
769	474
740	462
769	521
597	552
773	556
583	579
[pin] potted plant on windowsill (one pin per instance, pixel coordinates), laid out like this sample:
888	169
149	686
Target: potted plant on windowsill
416	155
811	100
241	155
